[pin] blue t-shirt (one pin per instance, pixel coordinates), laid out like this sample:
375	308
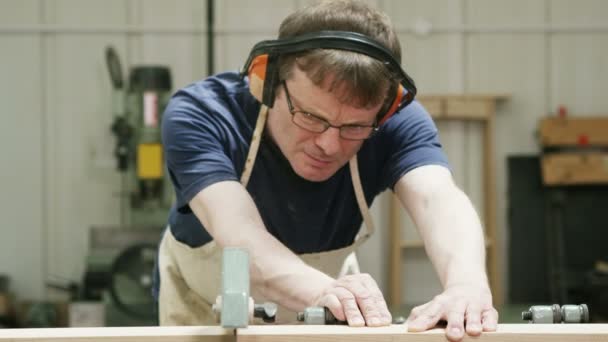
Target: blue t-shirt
207	129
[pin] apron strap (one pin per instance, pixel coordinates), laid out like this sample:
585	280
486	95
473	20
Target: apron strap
354	173
255	144
360	195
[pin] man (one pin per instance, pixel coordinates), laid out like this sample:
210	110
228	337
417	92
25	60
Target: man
295	210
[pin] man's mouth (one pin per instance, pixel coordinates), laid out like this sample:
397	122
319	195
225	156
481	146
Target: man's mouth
318	162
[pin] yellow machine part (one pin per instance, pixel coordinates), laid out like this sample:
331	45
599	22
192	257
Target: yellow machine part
149	161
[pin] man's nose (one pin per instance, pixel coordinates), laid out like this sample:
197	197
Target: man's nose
329	141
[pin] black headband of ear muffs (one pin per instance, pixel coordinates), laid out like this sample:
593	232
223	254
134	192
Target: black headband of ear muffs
340	40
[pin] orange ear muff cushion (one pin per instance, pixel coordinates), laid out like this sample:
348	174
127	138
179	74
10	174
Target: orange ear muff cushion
257	75
394	105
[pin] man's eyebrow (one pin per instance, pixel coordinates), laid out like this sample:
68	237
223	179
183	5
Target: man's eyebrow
299	107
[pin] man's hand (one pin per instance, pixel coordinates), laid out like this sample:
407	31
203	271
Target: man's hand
356	299
459	305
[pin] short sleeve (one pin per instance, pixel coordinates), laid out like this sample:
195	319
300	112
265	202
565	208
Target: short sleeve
412	140
196	145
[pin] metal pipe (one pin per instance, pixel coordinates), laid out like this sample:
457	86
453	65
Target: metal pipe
210	37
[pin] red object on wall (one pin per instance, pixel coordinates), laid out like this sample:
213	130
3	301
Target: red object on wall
562	111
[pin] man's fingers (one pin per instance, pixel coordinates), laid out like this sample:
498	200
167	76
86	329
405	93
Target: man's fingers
385	316
473	320
332	302
416	312
427	317
489	319
366	301
455	317
460	306
357	300
350	307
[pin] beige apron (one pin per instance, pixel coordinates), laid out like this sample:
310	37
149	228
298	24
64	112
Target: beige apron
191	277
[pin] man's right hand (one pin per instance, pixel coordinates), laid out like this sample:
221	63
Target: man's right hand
231	217
356	299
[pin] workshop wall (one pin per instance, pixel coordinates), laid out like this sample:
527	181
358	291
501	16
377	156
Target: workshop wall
58	175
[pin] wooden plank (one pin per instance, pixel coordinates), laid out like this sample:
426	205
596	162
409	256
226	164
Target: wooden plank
395	261
471	108
489	217
575	168
130	334
271	333
461	107
395	253
555	131
397	333
434	105
475	97
5	304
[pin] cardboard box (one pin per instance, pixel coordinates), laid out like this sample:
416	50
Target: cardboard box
572	168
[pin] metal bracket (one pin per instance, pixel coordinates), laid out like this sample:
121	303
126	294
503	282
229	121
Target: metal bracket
235	288
235	307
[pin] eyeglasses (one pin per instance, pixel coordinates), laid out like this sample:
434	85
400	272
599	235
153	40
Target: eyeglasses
316	124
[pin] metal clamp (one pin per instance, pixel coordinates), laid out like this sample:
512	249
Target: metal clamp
556	314
235	307
317	315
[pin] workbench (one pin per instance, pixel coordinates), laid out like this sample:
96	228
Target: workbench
307	333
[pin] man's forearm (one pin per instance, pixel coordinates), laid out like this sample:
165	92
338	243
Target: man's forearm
281	276
232	219
455	241
447	223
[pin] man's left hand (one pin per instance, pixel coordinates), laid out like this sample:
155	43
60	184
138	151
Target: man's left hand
460	305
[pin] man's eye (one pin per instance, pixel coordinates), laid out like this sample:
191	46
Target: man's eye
310	117
354	128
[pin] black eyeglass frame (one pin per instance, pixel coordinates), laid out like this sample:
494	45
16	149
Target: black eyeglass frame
326	124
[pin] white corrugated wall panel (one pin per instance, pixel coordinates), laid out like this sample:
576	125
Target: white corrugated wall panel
57	80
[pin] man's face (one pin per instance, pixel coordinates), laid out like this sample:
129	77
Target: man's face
315	156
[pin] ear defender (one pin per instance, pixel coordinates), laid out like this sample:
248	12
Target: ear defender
257	76
394	106
262	69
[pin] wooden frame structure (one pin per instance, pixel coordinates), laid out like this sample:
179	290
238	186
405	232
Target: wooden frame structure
305	333
476	108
